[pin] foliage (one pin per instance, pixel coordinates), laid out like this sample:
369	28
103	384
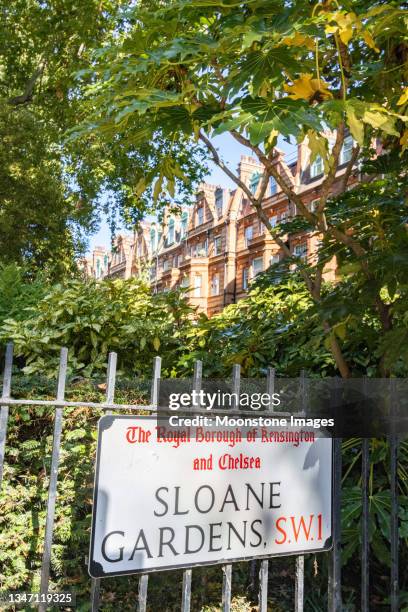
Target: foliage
93	318
303	72
39	222
51	188
17	294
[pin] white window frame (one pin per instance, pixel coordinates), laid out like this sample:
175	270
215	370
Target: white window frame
219	202
215	285
166	265
346	150
316	168
248	230
314	204
245	278
217	245
257	259
273	186
198	283
254	181
200	216
171	232
300	250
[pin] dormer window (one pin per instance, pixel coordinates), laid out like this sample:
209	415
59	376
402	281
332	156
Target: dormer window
219	202
316	168
184	223
346	150
273	187
257	266
153	240
217	245
248	234
254	182
300	250
200	215
170	233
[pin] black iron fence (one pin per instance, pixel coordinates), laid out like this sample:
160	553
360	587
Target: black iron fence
262	568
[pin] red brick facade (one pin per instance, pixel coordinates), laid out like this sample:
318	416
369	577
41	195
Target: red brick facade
216	246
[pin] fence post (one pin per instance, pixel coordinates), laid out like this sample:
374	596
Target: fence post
365	545
394	503
300	560
110	394
154	400
52	487
227	569
188	573
334	585
264	567
4	412
335	604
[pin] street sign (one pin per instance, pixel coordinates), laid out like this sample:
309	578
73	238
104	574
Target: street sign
179	498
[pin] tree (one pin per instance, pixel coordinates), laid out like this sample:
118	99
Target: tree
50	187
260	70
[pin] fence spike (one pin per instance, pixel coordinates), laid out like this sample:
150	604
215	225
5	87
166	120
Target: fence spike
365	545
394	504
52	487
154	400
227	569
110	394
264	566
300	560
188	574
4	412
334	581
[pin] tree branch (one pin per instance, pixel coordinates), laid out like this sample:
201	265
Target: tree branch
27	96
349	167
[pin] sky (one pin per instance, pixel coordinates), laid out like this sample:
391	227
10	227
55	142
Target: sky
230	151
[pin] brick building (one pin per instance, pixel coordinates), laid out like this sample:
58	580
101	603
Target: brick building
216	246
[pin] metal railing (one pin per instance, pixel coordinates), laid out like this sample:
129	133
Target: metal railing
334	577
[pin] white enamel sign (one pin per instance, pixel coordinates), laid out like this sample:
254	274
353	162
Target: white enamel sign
205	497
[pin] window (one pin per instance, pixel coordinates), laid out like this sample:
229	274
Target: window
245	278
254	181
273	220
170	233
300	250
274	260
176	261
257	266
219	202
98	268
273	187
248	234
200	215
202	249
105	261
217	245
185	281
184	224
215	284
346	150
316	168
198	279
166	265
314	204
